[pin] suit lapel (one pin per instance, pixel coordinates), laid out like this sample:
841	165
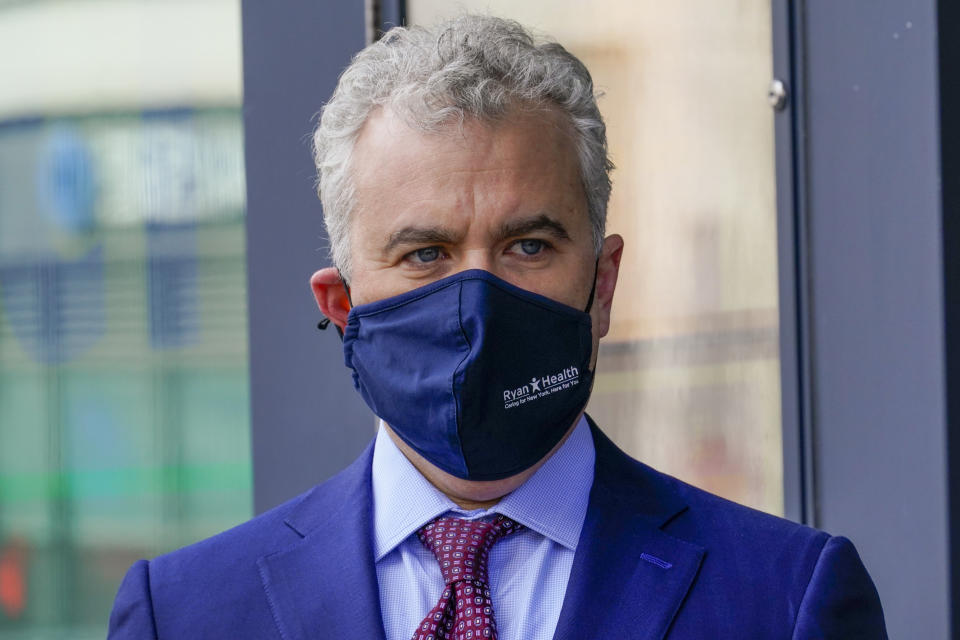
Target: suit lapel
629	578
325	585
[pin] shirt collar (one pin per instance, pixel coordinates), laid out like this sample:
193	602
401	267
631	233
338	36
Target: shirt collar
552	502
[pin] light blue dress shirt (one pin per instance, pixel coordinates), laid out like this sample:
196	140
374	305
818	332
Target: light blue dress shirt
528	570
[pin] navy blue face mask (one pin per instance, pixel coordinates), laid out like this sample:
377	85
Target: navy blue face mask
478	376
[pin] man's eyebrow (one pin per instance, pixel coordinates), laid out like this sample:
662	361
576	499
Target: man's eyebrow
419	235
542	222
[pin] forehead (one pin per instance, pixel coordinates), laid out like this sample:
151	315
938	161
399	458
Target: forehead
523	162
545	126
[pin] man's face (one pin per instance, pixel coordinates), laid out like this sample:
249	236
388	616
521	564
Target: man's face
505	198
502	197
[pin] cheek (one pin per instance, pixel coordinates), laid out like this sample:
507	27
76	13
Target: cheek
570	286
370	287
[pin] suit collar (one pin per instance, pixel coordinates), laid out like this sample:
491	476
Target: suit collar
325	585
629	577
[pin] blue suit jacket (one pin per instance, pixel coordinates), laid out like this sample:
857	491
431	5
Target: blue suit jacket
657	559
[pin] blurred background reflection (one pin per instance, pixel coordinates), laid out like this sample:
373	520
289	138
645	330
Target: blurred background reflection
124	420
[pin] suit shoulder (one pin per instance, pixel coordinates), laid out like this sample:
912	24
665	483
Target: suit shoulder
251	539
277	528
721	511
709	517
207	588
692	513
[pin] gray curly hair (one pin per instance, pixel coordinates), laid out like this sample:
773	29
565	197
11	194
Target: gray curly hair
476	66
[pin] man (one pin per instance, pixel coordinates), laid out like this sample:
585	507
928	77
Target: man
464	179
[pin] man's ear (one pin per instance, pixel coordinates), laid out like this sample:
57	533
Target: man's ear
608	269
331	294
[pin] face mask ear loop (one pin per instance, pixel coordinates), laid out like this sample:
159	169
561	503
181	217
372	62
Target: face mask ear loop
593	289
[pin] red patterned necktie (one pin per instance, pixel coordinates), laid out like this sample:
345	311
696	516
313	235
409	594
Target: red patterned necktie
462	547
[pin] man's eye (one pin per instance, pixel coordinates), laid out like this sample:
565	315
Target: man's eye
530	247
427	254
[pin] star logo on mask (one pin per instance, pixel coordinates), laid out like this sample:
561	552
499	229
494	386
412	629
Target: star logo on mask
535	383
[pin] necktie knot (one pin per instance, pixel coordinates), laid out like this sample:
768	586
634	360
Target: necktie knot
465	611
463	546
